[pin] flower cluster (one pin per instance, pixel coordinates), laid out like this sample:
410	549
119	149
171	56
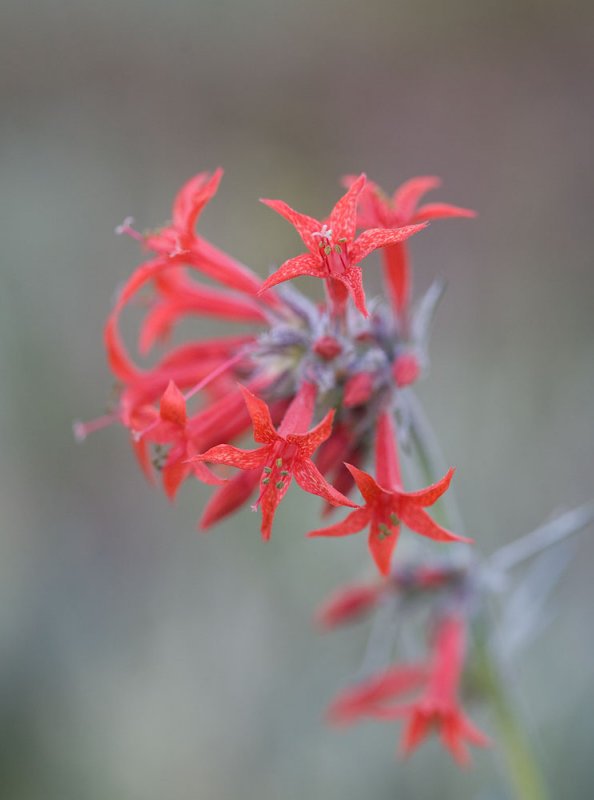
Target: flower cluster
322	388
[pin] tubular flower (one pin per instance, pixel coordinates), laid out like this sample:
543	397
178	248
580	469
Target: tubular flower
378	210
438	707
387	505
334	252
285	454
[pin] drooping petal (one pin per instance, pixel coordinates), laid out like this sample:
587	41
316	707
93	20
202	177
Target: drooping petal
233	456
431	211
353	523
269	503
293	268
415	731
173	475
407	196
347	604
381	546
370	240
353	281
309	442
428	496
311	479
192	197
264	431
306	226
343	218
420	522
452	741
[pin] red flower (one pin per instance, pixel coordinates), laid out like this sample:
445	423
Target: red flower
387	506
378	210
334	253
285	454
439	706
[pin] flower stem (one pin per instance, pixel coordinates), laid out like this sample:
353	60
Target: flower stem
522	769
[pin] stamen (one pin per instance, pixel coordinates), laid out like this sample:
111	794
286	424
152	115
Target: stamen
394	519
284	472
268	470
126	228
279	462
280	485
82	429
266	481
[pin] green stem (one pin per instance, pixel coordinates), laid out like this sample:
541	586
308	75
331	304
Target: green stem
522	769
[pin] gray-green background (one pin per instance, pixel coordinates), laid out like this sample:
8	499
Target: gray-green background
140	659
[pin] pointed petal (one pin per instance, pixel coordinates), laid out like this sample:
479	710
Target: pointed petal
406	198
192	197
381	547
233	456
173	406
264	431
428	496
420	522
364	698
298	415
311	479
353	523
387	467
371	239
119	361
451	739
306	226
474	735
431	211
269	503
343	218
347	604
293	268
142	453
308	443
366	484
414	733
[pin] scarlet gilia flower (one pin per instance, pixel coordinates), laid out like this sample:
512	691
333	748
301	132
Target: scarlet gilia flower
285	454
334	253
378	210
387	505
439	707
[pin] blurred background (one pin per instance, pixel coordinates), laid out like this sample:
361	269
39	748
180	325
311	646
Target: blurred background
140	659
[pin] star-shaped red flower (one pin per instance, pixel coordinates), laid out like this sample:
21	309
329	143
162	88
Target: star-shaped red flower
439	707
387	505
334	253
285	453
379	210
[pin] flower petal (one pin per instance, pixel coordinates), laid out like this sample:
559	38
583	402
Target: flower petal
311	479
353	523
382	546
306	226
309	442
264	430
233	456
293	268
387	467
371	239
173	406
192	197
420	522
428	496
366	484
440	211
343	218
407	196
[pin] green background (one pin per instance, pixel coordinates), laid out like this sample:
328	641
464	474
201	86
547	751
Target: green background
140	659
